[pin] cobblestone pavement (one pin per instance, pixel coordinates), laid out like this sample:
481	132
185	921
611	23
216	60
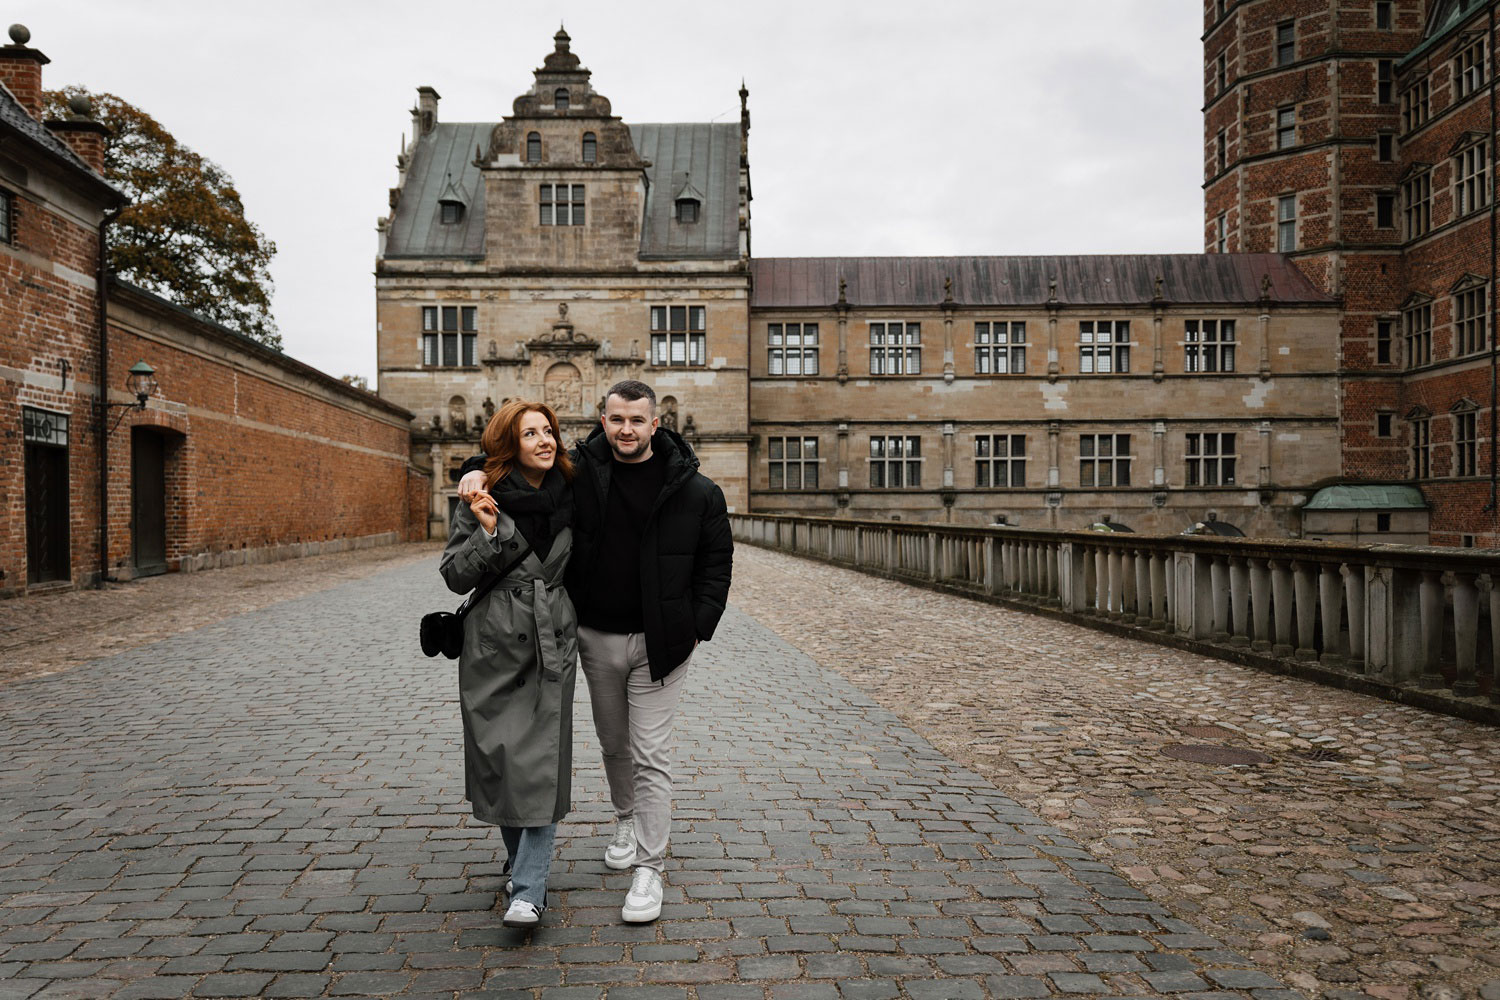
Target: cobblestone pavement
270	805
43	634
1364	859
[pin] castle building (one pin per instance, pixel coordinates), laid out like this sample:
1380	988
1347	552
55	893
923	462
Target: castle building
1357	138
556	251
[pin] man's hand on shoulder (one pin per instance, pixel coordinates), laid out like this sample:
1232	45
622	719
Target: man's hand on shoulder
470	484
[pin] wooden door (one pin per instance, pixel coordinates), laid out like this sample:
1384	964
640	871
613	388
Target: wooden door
148	504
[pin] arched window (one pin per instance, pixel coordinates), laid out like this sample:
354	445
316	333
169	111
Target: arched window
533	147
560	99
590	148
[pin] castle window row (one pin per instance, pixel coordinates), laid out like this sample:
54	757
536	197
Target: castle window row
588	148
1105	461
1463	449
1470	312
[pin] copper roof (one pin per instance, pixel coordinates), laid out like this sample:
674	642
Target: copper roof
1106	280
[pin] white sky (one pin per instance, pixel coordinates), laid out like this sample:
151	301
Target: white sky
878	128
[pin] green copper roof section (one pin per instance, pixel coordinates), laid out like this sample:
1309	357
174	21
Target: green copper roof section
1447	18
1367	497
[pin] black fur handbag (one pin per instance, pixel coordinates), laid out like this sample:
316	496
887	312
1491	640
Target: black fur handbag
443	632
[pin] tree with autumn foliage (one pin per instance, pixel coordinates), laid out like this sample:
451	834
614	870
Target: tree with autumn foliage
184	235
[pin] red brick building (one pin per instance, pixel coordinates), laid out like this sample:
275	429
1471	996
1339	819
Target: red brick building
237	453
1358	137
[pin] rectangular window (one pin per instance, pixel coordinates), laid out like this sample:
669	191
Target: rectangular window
895	462
1000	461
449	334
678	335
1385	146
1286	43
1221	152
1209	345
1382	425
1385	211
1470	321
999	348
793	348
1384	335
1471	170
1468	70
1385	81
1104	460
1421	448
1382	522
1210	459
793	463
1465	444
561	204
1383	14
1415	105
1286	127
1417	336
1416	201
1286	224
1222	72
1103	346
7	217
1221	243
895	348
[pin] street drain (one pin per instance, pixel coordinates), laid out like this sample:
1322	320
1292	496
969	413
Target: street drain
1320	753
1209	732
1207	753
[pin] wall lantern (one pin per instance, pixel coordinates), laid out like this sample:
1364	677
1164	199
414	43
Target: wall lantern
140	383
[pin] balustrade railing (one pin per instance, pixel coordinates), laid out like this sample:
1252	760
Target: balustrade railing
1393	617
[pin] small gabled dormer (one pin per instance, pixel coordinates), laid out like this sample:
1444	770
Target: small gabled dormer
453	203
688	203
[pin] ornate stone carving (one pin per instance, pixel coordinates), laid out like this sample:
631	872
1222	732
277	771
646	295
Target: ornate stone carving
562	388
669	412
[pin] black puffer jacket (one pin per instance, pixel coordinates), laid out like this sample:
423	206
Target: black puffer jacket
687	552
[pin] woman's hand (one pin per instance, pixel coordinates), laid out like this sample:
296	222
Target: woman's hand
483	506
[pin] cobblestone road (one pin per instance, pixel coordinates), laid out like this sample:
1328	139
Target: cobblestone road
269	805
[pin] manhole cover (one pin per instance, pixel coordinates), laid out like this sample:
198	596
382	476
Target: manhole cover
1209	732
1205	753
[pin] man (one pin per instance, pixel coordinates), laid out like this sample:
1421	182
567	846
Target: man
649	578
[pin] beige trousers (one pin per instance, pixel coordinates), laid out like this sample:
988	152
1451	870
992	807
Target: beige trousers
633	716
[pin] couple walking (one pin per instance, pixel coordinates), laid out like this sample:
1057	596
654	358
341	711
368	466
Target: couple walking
620	553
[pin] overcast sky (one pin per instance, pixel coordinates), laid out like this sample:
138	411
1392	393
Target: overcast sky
878	128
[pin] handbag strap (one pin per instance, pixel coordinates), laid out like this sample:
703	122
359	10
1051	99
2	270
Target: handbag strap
489	585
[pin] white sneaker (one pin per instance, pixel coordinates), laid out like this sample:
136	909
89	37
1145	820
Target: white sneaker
620	854
521	914
643	901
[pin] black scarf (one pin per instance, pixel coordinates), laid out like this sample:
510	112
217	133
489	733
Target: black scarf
539	513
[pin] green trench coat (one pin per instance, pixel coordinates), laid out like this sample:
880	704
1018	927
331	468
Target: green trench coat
515	675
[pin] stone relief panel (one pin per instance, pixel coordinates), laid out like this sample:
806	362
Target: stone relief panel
562	388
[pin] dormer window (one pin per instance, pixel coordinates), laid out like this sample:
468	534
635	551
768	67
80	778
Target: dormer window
533	147
452	212
590	148
687	210
451	203
689	201
560	99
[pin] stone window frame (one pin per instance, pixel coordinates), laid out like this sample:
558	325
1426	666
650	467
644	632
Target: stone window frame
1385	19
781	460
1470	311
990	465
1116	350
589	150
1286	126
1469	65
1385	81
7	217
1221	242
1416	202
1465	439
556	200
895	461
782	351
1208	345
1285	44
1416	105
1385	422
1471	171
1286	223
1385	147
1221	151
996	356
1419	423
668	335
1221	72
1385	210
1385	339
533	147
436	334
1094	465
1211	458
1416	333
562	99
899	356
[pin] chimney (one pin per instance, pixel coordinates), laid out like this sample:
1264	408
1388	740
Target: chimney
85	136
21	70
427	102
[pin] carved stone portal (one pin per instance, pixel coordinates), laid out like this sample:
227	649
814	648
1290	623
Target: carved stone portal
563	388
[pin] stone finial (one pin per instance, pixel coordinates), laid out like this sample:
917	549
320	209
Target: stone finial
561	39
1265	286
1052	289
948	289
1159	283
20	34
843	292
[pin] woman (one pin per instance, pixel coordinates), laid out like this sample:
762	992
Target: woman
516	673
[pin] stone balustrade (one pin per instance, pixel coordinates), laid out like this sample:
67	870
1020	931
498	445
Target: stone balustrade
1414	624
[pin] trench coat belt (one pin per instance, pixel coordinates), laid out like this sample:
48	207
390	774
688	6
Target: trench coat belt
548	656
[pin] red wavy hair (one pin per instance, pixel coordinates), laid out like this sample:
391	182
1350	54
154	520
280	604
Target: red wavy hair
501	441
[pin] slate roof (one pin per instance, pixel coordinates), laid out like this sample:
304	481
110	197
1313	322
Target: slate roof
14	117
1105	280
707	153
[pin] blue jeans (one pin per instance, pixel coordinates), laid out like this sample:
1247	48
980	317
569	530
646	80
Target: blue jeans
530	850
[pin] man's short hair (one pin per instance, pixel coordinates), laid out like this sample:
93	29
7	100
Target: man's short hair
630	390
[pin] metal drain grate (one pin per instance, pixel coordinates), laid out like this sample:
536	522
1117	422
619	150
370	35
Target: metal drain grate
1208	753
1209	732
1321	753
